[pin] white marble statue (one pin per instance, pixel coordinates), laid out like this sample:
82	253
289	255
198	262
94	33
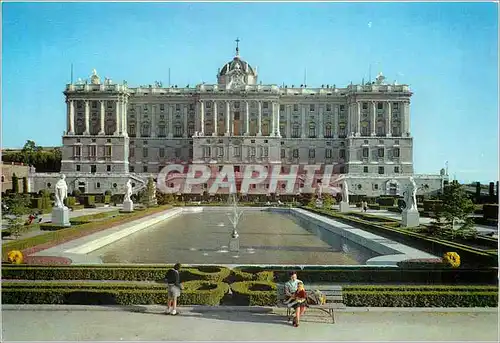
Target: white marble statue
345	192
61	191
410	195
128	191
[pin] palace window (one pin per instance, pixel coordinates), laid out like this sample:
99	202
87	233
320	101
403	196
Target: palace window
207	152
220	151
328	131
77	151
93	168
312	153
295	131
312	130
342	107
381	170
380	131
78	167
396	169
108	168
365	152
237	151
162	130
92	151
328	153
94	104
144	152
311	108
162	152
145	130
395	106
252	151
396	152
295	153
328	107
191	129
342	153
365	105
265	104
107	151
295	107
131	152
177	152
177	107
283	153
381	152
365	169
144	169
265	151
282	108
380	105
131	169
162	107
178	131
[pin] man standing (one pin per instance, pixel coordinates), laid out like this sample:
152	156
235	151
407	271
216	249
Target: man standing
174	288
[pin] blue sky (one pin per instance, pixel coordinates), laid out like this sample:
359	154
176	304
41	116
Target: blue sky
446	52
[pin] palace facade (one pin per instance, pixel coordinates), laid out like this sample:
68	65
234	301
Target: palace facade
116	132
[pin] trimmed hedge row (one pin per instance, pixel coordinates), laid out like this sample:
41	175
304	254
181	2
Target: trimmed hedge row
252	274
254	293
420	299
139	273
195	293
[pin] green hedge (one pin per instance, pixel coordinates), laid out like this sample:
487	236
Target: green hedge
432	205
89	201
490	211
251	274
129	273
381	298
254	293
386	201
70	201
374	206
194	293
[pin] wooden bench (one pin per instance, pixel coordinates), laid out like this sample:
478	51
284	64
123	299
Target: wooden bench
333	294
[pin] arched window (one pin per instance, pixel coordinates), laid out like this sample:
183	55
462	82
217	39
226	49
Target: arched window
265	128
296	131
162	130
328	131
131	130
178	130
312	130
145	130
110	126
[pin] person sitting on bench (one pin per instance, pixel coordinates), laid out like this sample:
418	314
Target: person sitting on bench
298	302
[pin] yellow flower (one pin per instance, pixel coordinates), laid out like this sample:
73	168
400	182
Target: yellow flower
452	258
15	257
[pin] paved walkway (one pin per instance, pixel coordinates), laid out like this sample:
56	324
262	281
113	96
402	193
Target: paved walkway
148	323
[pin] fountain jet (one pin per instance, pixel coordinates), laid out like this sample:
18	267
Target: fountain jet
234	217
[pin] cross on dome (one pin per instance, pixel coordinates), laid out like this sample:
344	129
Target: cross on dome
237	47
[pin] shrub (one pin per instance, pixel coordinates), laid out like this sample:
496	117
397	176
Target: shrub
195	293
51	227
252	274
255	293
386	201
490	211
433	205
70	201
89	201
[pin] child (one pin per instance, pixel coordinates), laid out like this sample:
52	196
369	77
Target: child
298	301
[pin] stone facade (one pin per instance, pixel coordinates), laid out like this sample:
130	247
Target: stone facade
116	132
21	170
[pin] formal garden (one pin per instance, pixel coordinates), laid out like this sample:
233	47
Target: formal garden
464	275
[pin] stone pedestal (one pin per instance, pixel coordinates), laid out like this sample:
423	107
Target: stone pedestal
410	218
344	207
128	206
234	244
60	216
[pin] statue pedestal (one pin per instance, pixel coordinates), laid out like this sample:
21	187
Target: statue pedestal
128	206
410	218
60	216
234	244
344	207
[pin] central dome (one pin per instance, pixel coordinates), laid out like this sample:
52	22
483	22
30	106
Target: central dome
237	71
237	64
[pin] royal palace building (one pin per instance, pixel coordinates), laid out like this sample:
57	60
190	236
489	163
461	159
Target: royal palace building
116	132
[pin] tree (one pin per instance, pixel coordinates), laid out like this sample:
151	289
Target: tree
453	216
327	201
25	185
17	206
15	183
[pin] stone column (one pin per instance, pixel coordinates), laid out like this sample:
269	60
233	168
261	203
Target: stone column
71	117
278	127
185	135
336	114
373	119
117	110
259	119
349	120
358	118
153	120
202	118
124	117
170	121
288	109
102	116
303	129
388	120
321	129
228	113
216	118
87	115
273	119
247	118
406	119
